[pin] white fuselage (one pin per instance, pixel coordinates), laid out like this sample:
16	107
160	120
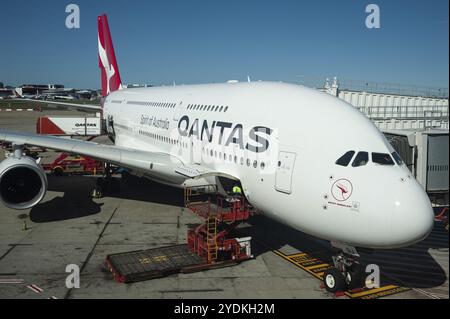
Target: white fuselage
281	141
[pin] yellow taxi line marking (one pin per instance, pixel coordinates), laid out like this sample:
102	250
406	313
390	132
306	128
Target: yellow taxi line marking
290	259
371	291
290	256
319	275
317	266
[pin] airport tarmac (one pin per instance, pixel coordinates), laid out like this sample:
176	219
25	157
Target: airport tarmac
68	227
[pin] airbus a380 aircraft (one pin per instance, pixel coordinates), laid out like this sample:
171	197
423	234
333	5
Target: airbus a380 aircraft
340	181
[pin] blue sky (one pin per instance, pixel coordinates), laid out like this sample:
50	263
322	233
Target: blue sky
196	41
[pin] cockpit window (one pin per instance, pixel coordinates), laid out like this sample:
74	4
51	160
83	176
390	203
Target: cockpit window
397	159
382	159
345	159
361	159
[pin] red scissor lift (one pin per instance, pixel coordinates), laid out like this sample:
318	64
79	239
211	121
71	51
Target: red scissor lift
209	245
211	240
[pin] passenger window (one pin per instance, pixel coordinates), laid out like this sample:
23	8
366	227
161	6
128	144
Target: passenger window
361	159
397	159
345	159
382	159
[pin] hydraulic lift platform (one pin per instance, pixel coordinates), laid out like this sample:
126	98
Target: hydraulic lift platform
208	245
151	263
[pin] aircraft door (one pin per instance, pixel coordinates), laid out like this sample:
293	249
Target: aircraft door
284	172
178	111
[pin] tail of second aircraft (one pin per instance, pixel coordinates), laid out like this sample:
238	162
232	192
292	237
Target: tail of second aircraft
107	58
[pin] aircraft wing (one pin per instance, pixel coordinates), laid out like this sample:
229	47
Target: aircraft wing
161	166
74	105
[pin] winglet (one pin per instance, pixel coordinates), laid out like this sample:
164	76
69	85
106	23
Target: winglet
107	58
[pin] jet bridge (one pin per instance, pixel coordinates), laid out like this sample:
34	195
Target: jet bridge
425	153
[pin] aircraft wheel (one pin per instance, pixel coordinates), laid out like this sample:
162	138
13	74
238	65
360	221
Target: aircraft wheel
333	280
355	278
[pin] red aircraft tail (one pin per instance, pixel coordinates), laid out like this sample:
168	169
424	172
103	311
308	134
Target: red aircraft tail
107	58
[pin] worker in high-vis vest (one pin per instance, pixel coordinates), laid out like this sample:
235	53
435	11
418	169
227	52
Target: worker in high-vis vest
237	191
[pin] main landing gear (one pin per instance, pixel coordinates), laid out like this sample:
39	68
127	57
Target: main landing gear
347	273
105	184
97	191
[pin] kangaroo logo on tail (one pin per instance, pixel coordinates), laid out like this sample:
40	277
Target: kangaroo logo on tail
107	59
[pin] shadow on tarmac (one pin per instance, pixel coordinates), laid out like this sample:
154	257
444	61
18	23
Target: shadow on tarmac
76	201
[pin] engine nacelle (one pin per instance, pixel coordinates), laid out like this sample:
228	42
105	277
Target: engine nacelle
23	182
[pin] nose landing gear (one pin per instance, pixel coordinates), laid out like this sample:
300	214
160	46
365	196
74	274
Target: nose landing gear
347	273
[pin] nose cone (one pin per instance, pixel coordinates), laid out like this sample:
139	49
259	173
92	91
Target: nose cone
412	218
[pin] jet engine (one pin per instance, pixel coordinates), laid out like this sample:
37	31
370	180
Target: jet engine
23	182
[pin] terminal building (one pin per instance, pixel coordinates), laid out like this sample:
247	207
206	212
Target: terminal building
36	89
54	91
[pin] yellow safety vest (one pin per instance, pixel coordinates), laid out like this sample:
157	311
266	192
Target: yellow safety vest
237	190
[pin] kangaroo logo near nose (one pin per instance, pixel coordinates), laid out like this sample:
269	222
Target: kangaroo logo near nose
342	189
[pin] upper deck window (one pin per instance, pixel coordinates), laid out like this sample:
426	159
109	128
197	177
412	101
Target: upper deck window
345	159
361	159
382	159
